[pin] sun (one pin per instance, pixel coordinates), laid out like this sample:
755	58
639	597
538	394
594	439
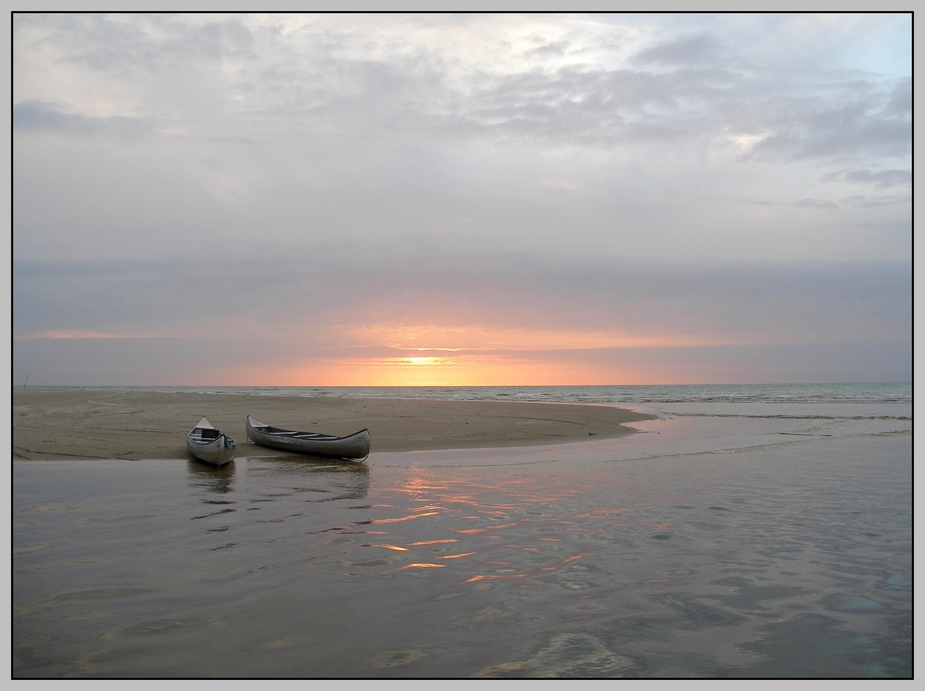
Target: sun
422	361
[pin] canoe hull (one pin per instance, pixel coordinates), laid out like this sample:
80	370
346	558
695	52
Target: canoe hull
354	447
209	445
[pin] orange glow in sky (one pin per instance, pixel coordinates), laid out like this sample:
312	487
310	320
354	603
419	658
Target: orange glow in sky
470	356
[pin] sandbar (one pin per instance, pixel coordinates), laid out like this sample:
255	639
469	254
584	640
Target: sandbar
55	424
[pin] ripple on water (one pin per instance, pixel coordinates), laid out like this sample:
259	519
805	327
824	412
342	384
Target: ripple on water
572	655
697	614
849	603
662	536
389	659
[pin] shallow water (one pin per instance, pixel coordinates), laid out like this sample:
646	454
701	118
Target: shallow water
715	543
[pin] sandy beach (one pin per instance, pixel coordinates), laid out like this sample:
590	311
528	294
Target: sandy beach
84	424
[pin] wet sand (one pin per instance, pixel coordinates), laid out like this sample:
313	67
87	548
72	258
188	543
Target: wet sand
85	424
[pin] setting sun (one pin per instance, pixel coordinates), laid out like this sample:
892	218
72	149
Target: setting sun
427	354
423	361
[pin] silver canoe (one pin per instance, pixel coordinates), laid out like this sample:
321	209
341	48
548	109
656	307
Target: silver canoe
354	447
208	444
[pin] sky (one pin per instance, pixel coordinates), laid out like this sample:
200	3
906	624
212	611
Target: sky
461	199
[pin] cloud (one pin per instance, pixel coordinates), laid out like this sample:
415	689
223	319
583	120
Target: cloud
814	204
453	291
338	82
49	118
701	48
881	179
593	183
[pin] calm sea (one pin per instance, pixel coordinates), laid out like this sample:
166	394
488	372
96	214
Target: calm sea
605	395
748	532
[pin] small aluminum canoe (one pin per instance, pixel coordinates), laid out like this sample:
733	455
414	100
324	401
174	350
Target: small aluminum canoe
354	447
209	445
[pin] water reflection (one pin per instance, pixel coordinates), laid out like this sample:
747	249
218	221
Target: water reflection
297	465
480	526
331	480
703	565
212	478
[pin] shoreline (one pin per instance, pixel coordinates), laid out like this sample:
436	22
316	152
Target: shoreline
53	424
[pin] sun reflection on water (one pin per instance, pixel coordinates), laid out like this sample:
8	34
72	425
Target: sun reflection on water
424	543
495	577
424	566
402	519
520	537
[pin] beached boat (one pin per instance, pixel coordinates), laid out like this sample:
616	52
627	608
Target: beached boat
354	447
209	444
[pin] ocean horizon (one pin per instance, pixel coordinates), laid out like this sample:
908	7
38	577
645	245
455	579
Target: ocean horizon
877	392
